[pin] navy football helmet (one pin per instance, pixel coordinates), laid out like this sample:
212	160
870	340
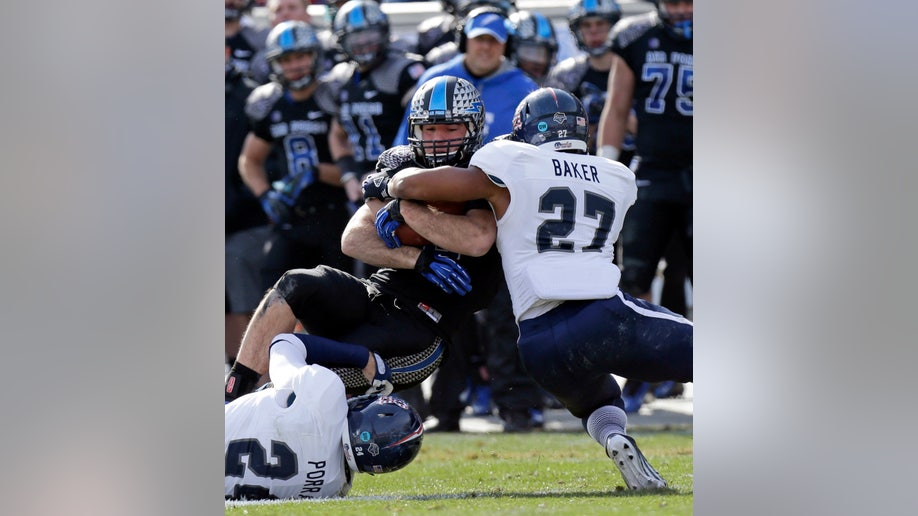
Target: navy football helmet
679	24
362	30
535	44
605	9
384	434
445	100
292	37
554	117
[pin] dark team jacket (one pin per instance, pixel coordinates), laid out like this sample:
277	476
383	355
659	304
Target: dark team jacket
298	132
663	69
242	208
369	106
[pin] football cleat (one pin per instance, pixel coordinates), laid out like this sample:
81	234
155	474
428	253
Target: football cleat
635	470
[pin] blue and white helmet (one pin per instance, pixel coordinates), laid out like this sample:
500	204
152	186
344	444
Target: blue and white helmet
362	30
445	100
292	37
679	25
608	10
384	434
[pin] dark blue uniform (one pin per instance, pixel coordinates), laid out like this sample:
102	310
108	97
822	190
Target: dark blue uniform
299	133
370	104
663	101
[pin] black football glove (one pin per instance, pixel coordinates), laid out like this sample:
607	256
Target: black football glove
276	205
376	186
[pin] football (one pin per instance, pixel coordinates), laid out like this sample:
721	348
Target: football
410	237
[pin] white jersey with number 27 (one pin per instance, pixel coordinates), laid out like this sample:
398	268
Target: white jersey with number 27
557	237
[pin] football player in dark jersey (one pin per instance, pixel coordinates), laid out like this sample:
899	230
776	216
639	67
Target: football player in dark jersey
535	45
245	221
286	160
654	73
371	91
242	37
407	310
586	74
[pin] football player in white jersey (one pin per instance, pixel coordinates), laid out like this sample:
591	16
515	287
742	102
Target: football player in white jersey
559	212
301	438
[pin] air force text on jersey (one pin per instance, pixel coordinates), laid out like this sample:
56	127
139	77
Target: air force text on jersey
564	168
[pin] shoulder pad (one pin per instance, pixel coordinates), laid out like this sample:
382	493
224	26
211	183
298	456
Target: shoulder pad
341	73
567	74
386	75
262	99
629	29
436	25
255	37
442	53
325	97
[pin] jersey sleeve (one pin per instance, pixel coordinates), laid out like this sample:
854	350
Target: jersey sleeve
492	159
321	389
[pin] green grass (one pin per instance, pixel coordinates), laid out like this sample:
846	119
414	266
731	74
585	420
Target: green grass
546	473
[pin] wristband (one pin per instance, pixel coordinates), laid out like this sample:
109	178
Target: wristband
609	152
348	167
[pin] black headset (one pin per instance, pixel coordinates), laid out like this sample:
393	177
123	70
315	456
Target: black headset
461	38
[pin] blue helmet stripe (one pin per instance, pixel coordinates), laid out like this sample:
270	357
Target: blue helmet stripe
356	18
286	39
590	5
438	96
543	27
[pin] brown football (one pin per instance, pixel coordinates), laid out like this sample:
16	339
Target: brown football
409	236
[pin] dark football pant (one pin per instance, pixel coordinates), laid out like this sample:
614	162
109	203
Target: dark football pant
662	212
339	306
573	349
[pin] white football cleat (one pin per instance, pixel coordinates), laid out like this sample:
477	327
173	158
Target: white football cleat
636	471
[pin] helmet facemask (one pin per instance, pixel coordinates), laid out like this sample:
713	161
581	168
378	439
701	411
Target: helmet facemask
293	37
679	24
445	100
366	46
302	82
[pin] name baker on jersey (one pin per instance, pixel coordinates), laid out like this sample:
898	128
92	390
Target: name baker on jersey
299	126
659	56
564	168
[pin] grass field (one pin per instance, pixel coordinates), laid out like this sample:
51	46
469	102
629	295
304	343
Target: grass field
543	472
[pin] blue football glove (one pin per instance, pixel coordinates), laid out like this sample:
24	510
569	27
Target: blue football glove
388	219
443	271
376	186
381	383
277	206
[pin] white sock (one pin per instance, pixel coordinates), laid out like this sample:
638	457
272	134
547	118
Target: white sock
605	421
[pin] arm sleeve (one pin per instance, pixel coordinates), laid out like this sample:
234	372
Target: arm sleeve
291	351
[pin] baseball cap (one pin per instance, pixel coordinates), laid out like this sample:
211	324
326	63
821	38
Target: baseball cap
491	24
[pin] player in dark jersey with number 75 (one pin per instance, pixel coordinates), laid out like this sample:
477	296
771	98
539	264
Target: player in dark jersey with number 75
559	212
